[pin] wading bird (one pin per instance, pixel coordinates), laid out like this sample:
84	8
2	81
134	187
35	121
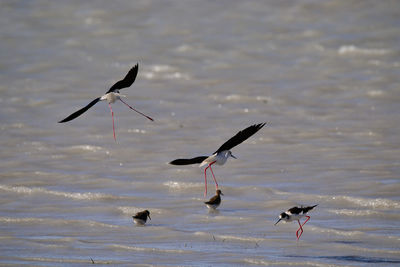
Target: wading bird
295	214
111	96
140	218
215	201
222	154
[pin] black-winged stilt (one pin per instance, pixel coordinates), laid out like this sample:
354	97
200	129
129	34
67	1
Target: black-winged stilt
222	154
140	218
295	214
111	96
215	201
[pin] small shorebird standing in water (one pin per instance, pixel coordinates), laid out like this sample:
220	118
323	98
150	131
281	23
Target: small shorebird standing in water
222	154
295	214
140	218
111	96
215	201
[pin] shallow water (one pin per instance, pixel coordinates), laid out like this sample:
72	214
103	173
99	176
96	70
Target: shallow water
323	74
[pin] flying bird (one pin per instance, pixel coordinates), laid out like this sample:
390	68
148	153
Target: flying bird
140	218
222	154
295	214
215	201
111	96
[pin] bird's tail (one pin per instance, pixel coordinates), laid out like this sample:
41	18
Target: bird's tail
307	209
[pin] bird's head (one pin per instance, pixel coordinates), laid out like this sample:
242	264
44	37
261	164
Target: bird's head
219	192
229	154
283	215
117	93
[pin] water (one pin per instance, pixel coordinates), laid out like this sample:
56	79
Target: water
323	74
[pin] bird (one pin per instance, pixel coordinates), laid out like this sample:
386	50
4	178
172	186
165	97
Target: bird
111	96
221	155
215	201
295	214
140	218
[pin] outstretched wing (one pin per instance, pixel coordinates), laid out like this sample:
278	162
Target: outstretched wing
188	161
127	81
240	137
80	112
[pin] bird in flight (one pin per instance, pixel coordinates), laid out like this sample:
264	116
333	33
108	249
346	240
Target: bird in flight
295	214
222	154
111	96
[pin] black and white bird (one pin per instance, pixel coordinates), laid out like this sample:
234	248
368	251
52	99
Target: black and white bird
295	214
215	201
111	96
140	218
222	154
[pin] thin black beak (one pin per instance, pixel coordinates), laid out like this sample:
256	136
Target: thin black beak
221	193
277	222
233	156
149	216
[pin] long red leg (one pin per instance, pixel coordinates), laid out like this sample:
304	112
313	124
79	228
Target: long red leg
216	184
136	110
112	116
308	217
300	228
205	181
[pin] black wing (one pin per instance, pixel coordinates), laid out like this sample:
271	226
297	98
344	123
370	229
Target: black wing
80	112
215	200
307	209
127	81
295	210
141	215
240	137
188	161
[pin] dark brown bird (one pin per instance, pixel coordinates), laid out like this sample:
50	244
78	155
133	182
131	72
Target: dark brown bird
140	218
215	201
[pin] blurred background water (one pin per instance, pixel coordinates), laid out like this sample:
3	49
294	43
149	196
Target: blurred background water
323	74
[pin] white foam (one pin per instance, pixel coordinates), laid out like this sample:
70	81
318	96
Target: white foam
231	237
32	220
180	185
136	248
87	148
40	190
351	49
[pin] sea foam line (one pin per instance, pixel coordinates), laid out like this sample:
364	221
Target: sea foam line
47	221
34	190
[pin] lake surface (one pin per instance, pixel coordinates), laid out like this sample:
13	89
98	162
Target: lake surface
324	75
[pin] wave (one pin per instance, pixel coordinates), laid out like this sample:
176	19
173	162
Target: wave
340	200
181	185
165	72
47	221
147	249
364	213
231	237
40	190
351	49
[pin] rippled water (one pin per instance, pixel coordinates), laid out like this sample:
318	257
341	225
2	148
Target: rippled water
323	74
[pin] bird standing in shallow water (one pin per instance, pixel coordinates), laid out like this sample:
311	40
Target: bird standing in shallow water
222	154
296	213
215	201
140	218
111	96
